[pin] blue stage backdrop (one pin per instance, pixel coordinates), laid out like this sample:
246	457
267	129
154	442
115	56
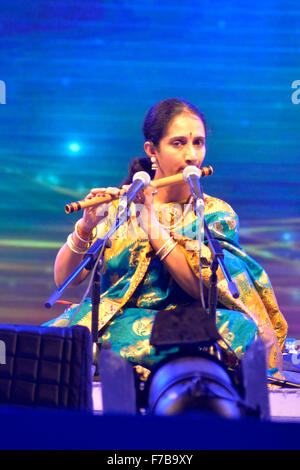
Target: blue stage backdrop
77	77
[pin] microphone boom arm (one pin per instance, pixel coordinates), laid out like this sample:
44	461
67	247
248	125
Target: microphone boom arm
218	258
192	175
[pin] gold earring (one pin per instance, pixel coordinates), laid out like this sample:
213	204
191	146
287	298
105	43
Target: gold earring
154	164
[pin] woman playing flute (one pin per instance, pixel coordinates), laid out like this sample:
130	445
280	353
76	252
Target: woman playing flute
153	263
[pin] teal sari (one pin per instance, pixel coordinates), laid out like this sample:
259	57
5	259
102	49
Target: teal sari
135	285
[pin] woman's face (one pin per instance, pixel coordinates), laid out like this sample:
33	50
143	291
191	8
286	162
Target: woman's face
183	145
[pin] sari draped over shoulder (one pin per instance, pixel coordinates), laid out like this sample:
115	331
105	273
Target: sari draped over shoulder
135	285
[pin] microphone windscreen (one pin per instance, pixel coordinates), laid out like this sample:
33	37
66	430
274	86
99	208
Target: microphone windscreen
144	176
191	170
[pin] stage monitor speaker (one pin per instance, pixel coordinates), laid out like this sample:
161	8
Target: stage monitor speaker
48	367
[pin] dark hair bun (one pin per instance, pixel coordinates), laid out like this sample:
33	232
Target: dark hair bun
138	164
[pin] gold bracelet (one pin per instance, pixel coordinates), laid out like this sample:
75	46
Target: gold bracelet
90	239
166	248
74	248
170	239
165	253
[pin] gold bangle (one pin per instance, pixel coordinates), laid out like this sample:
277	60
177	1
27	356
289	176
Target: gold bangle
74	248
170	239
91	237
165	253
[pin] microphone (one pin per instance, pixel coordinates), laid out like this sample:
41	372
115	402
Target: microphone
140	180
192	175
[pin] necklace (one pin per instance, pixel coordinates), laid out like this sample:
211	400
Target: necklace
171	214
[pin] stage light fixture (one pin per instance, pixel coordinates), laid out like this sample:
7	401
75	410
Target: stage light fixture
193	385
195	380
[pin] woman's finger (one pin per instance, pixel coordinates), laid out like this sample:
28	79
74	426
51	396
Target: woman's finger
152	187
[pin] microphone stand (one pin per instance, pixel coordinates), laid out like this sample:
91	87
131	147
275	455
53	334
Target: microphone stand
217	260
94	255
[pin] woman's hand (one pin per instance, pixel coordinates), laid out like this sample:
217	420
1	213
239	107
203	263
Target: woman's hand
144	200
144	196
93	215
